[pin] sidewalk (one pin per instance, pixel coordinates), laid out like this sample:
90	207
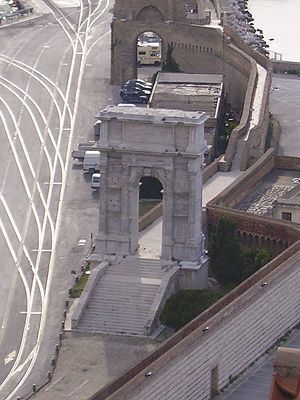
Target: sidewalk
256	382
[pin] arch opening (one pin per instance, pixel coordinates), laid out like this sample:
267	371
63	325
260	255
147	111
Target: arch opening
150	217
148	55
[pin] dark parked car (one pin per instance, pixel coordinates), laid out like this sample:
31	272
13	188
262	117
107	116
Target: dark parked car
138	81
135	97
138	89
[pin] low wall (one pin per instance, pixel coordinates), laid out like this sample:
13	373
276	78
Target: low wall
257	135
241	129
150	216
289	67
290	163
210	170
237	191
226	338
168	286
256	231
95	275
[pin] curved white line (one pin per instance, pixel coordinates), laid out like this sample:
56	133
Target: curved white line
54	143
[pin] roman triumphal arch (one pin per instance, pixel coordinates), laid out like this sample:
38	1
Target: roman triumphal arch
168	145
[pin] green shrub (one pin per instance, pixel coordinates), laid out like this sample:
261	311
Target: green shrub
185	305
170	65
230	262
226	253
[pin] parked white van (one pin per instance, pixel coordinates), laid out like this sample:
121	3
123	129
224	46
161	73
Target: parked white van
91	161
95	183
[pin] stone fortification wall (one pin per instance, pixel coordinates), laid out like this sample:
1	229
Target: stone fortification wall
196	48
255	139
241	105
286	162
238	41
286	67
226	338
238	190
255	231
257	135
172	10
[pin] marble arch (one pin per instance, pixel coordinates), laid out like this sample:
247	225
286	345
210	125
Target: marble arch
168	145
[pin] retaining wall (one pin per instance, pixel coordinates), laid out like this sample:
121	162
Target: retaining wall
238	190
286	162
290	67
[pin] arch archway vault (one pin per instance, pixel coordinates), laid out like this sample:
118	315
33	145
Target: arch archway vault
168	145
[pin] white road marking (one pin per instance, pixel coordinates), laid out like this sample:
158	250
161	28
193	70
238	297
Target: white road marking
74	44
54	383
42	250
31	312
10	357
78	387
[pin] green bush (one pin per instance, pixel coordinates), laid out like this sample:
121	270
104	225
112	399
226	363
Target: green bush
226	253
170	65
231	263
185	305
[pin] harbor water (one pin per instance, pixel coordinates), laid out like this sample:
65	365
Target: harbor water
280	22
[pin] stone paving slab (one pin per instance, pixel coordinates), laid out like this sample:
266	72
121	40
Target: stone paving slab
88	362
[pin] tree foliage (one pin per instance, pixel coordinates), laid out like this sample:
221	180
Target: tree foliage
226	253
185	305
170	65
230	261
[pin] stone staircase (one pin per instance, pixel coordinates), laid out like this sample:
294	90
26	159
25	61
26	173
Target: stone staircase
122	298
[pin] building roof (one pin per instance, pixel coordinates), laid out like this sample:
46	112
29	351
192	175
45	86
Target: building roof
188	92
179	77
292	197
157	115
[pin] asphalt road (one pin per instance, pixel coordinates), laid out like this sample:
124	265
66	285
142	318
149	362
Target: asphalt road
285	105
54	77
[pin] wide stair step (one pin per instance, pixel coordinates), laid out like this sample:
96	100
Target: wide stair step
123	297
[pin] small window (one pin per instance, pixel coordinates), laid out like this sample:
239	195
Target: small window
286	216
142	53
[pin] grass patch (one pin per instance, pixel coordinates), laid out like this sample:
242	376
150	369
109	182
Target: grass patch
78	288
146	205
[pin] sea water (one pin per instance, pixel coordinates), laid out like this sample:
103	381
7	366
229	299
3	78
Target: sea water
280	21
